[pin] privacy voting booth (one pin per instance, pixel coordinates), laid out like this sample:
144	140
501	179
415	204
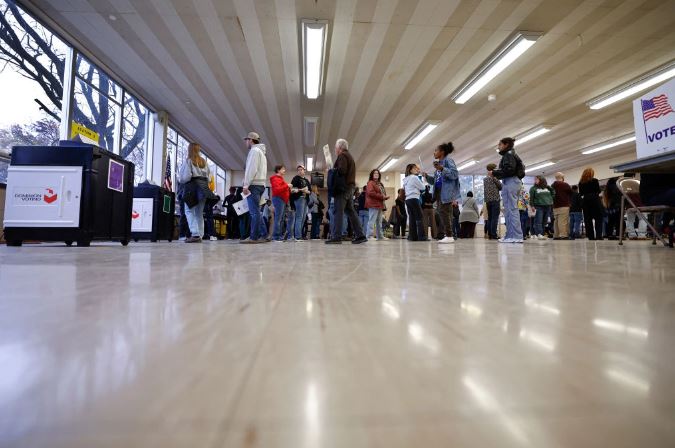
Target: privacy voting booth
73	192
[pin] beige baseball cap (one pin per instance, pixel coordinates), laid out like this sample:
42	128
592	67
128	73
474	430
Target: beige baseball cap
252	136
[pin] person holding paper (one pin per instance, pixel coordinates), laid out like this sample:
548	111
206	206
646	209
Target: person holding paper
255	175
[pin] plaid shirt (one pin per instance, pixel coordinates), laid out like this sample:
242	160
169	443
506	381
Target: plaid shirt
491	187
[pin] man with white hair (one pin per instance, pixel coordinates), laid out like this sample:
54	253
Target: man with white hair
561	207
342	188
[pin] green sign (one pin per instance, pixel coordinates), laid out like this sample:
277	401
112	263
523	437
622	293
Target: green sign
167	204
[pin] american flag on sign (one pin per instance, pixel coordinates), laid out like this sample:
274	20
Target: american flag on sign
167	173
656	107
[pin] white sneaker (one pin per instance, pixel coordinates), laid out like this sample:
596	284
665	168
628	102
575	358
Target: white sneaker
542	237
505	240
446	240
516	241
213	238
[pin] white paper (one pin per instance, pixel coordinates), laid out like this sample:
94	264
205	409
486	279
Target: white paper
241	207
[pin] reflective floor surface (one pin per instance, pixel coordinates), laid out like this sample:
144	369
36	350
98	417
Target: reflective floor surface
388	344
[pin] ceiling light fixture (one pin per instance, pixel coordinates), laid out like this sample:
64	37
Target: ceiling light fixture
634	86
609	144
388	164
538	166
309	163
467	164
420	133
314	35
533	133
505	55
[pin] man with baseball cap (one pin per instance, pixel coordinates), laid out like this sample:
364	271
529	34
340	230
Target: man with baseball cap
255	175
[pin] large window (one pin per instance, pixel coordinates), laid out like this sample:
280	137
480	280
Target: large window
32	65
134	128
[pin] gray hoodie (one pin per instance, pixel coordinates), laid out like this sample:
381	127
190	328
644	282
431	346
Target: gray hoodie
256	166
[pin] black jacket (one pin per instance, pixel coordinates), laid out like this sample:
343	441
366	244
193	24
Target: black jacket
575	202
509	165
590	194
299	183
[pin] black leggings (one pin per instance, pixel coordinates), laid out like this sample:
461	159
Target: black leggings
593	230
416	223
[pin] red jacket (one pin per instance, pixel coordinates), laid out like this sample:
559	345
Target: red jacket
280	188
374	196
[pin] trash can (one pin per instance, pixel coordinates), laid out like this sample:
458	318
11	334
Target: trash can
152	216
73	192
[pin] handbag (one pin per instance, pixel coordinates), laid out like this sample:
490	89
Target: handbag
190	194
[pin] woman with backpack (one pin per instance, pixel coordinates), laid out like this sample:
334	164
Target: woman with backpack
510	171
194	175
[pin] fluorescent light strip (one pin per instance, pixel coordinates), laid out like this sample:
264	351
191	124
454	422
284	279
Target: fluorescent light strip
611	144
467	164
310	163
314	40
504	57
421	132
539	166
532	134
391	162
631	88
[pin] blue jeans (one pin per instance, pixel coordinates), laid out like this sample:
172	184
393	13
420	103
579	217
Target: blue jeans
510	189
279	207
541	218
363	217
374	219
524	221
195	218
300	215
575	224
316	226
253	201
493	218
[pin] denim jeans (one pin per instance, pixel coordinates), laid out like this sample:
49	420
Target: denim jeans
575	224
209	226
290	224
279	207
300	216
511	186
363	217
253	201
316	225
195	218
344	208
540	219
493	218
524	222
630	225
375	219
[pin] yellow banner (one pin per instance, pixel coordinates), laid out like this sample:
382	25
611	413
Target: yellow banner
78	129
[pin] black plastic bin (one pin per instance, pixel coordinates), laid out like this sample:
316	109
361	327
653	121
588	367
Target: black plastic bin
99	209
158	207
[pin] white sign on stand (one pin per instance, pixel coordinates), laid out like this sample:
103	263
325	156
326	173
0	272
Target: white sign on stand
654	116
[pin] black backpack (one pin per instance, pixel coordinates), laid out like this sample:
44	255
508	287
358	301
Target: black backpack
520	167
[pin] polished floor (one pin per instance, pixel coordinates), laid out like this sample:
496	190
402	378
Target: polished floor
388	344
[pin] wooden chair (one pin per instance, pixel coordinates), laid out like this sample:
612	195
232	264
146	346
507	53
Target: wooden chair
630	192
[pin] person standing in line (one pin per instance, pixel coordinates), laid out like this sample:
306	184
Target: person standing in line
317	212
343	185
561	207
447	178
231	217
281	193
523	209
589	191
401	214
541	198
468	217
194	174
414	187
255	175
576	214
612	202
299	198
363	211
491	188
511	170
375	197
428	212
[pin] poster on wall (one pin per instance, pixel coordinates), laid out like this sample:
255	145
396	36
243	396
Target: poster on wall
654	118
116	176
